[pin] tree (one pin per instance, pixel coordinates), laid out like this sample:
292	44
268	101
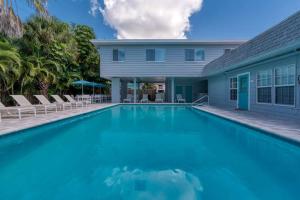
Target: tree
88	59
10	62
53	51
48	57
10	23
39	5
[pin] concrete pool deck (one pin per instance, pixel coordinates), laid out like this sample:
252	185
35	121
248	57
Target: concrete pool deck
288	129
12	125
279	126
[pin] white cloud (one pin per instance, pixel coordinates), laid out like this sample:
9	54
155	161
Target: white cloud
153	19
95	6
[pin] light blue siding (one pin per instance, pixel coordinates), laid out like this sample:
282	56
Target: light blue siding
135	64
218	89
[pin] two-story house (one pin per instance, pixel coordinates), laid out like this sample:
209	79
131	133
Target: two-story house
261	75
176	64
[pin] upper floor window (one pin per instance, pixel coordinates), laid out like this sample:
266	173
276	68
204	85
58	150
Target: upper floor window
285	85
194	54
118	55
227	50
157	54
233	88
264	86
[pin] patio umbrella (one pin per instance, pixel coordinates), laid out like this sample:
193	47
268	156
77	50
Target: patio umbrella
88	84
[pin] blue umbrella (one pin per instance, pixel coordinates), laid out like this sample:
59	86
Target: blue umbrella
89	84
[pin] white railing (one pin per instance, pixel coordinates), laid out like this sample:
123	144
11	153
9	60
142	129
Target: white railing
97	98
200	101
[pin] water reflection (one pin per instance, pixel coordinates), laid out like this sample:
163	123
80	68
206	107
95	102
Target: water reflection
164	184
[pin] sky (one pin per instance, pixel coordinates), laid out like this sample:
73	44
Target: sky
173	19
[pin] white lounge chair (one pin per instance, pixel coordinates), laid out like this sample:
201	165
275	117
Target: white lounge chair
61	102
18	109
72	101
86	99
180	99
22	101
45	102
159	98
128	98
144	99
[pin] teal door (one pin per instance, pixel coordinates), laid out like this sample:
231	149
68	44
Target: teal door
243	92
189	94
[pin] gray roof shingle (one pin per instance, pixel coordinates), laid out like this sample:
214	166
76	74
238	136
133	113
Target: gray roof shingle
284	34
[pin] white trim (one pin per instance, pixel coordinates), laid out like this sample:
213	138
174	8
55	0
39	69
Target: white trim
237	102
112	42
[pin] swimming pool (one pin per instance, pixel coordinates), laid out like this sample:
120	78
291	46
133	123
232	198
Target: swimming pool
147	152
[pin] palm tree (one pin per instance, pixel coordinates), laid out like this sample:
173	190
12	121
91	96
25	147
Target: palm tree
10	62
39	5
42	70
10	23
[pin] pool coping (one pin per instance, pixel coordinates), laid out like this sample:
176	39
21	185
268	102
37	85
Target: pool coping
272	133
12	131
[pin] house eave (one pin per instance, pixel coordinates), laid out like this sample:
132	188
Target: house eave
288	49
165	42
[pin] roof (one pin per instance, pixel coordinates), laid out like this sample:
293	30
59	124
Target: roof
276	41
165	42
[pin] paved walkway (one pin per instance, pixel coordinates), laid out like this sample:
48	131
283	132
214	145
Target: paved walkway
10	125
289	129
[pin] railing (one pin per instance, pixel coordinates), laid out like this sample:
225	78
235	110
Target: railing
200	101
98	98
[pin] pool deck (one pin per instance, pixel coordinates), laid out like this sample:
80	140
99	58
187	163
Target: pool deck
11	125
288	129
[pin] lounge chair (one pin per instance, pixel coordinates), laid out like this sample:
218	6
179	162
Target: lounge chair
128	98
22	101
159	98
45	102
59	101
72	101
19	109
180	99
144	99
86	99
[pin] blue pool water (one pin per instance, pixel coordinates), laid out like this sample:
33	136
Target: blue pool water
147	152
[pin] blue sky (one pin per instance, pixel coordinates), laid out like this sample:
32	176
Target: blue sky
212	20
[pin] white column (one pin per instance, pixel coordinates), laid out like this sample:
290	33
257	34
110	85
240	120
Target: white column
134	90
115	90
172	89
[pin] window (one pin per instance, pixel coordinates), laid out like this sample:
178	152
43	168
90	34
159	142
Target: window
233	88
156	55
285	85
227	51
264	86
150	54
194	54
160	55
118	55
189	54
